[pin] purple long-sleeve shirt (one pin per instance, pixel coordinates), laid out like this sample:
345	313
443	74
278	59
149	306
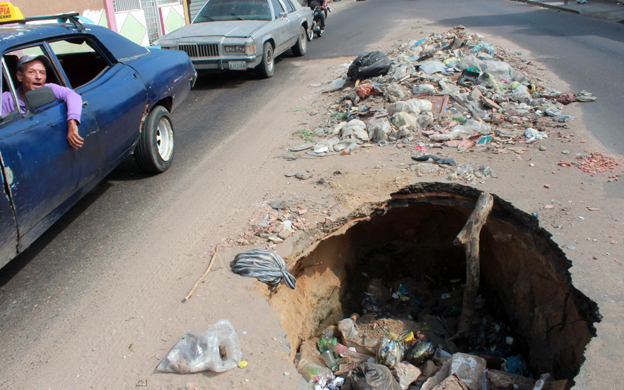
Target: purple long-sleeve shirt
68	95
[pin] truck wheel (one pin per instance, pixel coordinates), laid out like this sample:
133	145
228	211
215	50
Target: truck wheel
154	152
302	43
266	67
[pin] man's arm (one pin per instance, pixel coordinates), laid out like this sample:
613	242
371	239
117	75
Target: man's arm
74	111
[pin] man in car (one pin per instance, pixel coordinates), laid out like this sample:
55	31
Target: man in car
31	73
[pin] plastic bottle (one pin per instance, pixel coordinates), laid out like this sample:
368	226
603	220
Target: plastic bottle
485	382
351	147
312	372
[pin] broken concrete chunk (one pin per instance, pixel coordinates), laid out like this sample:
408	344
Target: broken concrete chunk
405	374
505	380
468	368
451	383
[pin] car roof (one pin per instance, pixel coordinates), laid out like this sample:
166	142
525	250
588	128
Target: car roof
18	34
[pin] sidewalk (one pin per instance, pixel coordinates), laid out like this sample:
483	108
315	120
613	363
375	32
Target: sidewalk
597	9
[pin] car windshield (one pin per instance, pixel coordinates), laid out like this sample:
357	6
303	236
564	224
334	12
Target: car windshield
217	10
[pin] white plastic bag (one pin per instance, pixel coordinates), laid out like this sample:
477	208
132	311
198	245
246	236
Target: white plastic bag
197	352
412	106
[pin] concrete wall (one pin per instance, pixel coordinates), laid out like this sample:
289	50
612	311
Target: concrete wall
50	7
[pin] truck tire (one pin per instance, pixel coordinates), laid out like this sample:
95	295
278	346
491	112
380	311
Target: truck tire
154	152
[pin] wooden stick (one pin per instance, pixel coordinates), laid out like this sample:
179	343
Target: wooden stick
469	238
190	294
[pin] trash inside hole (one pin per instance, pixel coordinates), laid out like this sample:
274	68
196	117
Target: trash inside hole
387	290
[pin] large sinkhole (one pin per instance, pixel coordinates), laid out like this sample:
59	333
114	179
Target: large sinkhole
408	241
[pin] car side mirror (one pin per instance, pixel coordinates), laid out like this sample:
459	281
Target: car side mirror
39	97
283	14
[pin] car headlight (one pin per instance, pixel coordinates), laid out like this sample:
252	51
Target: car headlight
249	47
238	49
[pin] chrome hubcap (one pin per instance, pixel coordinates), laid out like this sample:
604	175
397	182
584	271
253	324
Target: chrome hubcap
164	139
270	60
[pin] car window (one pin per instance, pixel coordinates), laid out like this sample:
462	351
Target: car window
8	94
289	7
218	10
277	8
80	60
295	4
11	58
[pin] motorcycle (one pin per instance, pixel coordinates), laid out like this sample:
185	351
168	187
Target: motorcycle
316	23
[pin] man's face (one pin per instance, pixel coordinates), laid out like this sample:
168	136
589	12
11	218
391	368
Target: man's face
32	76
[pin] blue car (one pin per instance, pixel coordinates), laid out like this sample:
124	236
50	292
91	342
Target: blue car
127	94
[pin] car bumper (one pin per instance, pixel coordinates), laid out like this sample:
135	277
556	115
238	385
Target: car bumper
224	63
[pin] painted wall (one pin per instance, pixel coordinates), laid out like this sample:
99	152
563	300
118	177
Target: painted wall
51	7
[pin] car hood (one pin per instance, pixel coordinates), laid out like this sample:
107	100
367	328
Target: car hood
229	29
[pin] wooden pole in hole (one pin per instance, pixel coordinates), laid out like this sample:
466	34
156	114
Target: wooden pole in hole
469	238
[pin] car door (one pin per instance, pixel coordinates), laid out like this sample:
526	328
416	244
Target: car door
294	24
280	27
8	224
44	174
114	91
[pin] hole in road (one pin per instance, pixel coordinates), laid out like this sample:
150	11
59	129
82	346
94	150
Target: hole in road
525	289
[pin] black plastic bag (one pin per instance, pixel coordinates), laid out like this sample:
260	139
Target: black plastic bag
369	64
371	376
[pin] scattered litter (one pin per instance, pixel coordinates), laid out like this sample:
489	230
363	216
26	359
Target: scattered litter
197	352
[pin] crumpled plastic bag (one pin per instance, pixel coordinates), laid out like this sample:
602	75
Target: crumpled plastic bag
585	96
370	376
398	91
263	264
366	90
566	97
424	89
378	129
355	128
459	132
412	106
197	352
369	64
484	47
401	119
334	85
534	135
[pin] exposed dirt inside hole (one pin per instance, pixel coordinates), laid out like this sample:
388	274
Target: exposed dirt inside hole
524	275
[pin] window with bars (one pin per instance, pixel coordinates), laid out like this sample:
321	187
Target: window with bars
126	5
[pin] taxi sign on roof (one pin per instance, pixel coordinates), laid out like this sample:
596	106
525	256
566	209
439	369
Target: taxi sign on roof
10	13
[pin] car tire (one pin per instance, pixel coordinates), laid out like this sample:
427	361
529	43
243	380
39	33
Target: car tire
301	46
154	152
267	66
310	32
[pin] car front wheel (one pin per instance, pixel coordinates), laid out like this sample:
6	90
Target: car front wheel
300	47
154	152
266	67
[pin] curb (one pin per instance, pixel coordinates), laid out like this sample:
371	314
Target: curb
555	7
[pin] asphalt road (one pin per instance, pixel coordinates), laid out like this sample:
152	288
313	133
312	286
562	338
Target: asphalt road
97	233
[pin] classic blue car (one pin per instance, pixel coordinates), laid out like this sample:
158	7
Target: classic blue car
127	94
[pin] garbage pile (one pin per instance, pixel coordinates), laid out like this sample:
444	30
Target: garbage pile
404	340
450	90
